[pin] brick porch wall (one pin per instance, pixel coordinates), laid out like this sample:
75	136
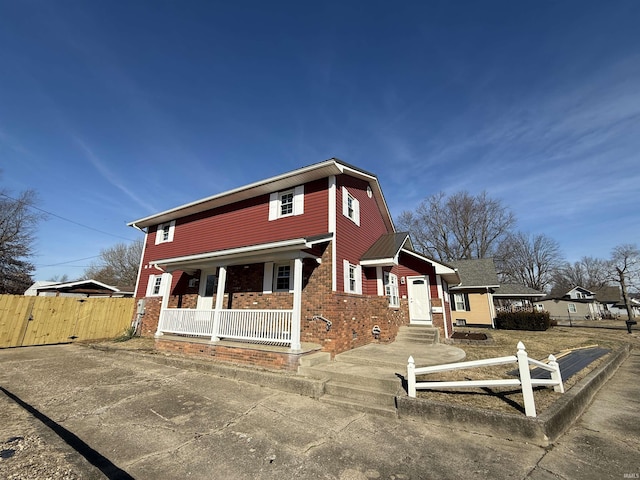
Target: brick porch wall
239	355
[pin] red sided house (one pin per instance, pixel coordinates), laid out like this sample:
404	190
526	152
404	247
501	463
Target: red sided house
268	272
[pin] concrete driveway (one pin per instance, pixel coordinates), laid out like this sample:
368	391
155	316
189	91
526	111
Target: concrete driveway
73	412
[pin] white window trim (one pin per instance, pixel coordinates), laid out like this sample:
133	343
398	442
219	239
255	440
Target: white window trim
355	218
151	284
391	289
358	277
269	280
171	226
571	308
275	210
459	298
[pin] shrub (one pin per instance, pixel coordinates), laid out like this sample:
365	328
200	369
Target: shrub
537	321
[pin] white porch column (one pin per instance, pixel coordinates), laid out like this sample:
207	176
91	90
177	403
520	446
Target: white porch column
222	280
165	290
297	305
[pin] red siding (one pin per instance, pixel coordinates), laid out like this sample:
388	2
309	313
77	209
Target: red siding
353	240
238	225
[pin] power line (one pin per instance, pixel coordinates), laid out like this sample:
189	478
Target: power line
66	219
68	261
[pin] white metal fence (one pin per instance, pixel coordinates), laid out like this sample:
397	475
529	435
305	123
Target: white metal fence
525	380
262	326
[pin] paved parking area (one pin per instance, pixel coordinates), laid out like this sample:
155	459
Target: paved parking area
73	412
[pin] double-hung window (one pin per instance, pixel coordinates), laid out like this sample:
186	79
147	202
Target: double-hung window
154	286
391	289
283	278
350	206
278	277
572	308
165	232
286	203
352	278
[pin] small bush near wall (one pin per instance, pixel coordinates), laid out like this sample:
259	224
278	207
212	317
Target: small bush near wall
537	321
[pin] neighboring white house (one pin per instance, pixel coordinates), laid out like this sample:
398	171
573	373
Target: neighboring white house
80	288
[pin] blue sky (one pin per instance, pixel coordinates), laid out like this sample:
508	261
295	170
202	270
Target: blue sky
114	110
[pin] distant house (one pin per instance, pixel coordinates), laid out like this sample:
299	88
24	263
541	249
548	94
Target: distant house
472	301
610	298
577	303
79	288
306	260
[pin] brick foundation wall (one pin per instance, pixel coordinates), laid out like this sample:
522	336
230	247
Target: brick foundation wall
239	355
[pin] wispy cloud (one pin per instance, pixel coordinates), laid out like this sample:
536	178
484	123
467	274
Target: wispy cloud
109	176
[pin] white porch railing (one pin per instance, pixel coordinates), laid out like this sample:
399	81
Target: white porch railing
261	326
187	321
525	380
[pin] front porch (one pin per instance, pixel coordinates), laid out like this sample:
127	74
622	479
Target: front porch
251	295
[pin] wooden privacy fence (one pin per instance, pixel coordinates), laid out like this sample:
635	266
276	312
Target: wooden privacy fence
48	320
525	381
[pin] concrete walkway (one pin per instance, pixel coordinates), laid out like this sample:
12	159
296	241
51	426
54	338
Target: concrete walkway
73	412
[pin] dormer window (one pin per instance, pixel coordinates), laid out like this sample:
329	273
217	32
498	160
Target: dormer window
286	203
165	232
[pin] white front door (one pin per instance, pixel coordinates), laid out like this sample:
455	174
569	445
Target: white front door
419	304
208	286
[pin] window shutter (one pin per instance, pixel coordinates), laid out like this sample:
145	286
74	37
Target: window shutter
159	230
452	301
273	206
298	200
345	271
467	307
172	227
267	281
150	283
359	279
345	206
356	211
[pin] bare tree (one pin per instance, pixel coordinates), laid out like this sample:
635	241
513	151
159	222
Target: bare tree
625	267
18	222
588	272
118	265
458	227
528	260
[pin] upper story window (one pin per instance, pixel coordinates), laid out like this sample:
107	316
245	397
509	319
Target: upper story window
286	203
165	232
391	289
352	278
350	206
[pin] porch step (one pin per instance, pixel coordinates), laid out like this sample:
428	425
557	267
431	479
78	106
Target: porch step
418	334
359	376
359	406
313	359
360	394
361	387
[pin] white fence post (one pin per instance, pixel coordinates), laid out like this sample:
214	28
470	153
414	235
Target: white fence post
525	380
411	377
556	375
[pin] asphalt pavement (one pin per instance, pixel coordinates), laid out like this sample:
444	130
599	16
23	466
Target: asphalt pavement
73	412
